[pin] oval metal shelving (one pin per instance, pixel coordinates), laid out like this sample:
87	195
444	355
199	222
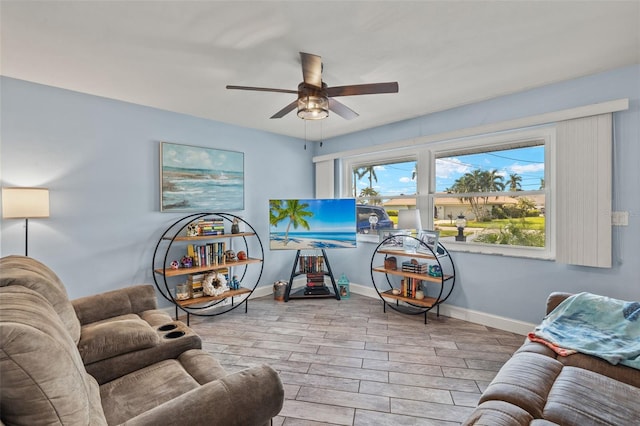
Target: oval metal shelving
385	279
175	235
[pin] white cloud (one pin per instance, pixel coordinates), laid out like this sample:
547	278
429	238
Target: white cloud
527	168
405	179
449	167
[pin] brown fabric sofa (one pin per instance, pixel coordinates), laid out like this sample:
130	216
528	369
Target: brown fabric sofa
537	387
117	332
44	377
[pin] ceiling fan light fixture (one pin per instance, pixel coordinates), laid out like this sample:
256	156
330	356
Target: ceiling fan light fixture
313	107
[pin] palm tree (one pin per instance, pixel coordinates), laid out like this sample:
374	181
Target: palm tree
294	211
371	171
369	193
478	181
514	182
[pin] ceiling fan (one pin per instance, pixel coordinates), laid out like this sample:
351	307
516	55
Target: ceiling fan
315	98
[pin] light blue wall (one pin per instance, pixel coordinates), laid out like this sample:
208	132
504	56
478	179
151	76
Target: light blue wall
514	287
100	160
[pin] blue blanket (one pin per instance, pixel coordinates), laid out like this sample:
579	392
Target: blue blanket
595	325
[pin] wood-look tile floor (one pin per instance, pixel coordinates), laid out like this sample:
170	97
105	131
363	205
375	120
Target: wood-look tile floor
348	363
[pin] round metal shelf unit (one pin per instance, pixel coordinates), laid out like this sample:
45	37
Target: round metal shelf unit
166	278
437	281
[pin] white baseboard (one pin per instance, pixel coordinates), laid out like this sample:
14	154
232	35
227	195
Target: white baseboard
477	317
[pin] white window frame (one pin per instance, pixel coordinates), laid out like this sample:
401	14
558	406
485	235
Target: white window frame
425	155
384	157
505	140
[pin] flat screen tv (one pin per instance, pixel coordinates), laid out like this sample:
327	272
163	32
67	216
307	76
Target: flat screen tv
304	224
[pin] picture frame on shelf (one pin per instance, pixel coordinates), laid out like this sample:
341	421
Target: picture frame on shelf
430	237
194	178
392	238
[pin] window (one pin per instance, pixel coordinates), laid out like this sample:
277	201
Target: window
378	183
573	198
491	195
496	183
381	188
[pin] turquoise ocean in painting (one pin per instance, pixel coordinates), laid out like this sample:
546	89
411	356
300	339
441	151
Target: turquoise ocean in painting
201	179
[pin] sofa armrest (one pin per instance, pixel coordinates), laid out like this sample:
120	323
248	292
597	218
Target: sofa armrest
555	299
128	300
248	397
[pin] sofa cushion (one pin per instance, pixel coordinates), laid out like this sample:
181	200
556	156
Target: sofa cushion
30	273
524	380
498	413
144	389
116	336
174	338
128	396
581	398
43	377
622	373
193	390
127	300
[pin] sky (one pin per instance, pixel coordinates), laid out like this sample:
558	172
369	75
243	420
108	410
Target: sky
528	163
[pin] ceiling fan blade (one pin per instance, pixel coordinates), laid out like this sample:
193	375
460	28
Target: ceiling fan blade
311	69
363	89
286	110
262	89
342	110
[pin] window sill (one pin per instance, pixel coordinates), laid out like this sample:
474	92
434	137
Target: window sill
498	250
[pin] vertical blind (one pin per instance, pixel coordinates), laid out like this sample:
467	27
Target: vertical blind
324	179
584	191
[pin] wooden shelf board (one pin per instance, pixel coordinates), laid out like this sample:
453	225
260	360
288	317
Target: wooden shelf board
405	253
423	277
196	270
205	299
210	237
427	302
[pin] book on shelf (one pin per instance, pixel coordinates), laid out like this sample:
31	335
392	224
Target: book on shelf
311	264
210	254
195	278
213	226
315	276
415	267
409	287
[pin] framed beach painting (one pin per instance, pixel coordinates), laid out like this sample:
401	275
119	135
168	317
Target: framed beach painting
194	178
305	224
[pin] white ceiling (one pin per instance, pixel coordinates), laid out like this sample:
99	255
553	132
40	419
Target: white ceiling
180	55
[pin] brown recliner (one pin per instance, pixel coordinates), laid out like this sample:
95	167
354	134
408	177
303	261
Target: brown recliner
51	348
116	332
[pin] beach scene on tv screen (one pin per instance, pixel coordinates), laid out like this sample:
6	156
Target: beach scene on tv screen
305	224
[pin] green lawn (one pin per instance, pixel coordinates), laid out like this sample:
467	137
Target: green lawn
534	223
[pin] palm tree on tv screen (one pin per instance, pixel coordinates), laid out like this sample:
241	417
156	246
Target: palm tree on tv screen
293	210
